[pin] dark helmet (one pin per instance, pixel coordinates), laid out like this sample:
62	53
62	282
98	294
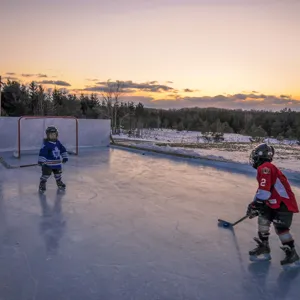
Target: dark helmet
260	154
51	129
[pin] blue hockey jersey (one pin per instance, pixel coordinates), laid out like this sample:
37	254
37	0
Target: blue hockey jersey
51	154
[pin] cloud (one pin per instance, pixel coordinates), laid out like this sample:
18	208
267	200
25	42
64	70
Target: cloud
174	98
101	89
10	73
247	96
90	79
27	75
236	101
131	87
55	82
285	96
35	75
42	75
240	96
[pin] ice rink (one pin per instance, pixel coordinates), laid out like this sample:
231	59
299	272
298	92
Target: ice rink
135	227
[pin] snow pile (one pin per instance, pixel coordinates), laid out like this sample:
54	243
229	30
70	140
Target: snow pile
236	148
181	152
285	161
165	135
174	136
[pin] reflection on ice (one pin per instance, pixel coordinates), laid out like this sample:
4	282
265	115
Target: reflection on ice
52	224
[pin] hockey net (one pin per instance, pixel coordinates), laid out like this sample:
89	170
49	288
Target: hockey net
31	133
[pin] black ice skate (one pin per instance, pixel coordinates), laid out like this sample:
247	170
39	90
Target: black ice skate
291	259
60	185
261	252
42	186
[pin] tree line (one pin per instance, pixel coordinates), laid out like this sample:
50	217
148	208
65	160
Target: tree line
19	99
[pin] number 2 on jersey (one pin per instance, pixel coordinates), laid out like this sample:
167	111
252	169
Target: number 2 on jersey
263	182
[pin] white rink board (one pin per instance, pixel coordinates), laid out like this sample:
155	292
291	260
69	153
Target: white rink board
91	133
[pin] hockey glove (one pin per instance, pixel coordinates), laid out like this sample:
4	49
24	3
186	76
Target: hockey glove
64	160
256	208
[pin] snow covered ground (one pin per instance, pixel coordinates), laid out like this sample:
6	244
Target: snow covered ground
235	148
174	136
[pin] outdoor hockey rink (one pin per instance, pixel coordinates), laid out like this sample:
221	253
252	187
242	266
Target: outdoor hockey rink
132	226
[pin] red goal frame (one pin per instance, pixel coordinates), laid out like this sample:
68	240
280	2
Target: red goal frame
46	117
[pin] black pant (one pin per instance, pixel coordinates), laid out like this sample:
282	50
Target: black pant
282	221
47	171
281	217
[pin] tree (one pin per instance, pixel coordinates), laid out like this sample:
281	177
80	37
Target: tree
19	99
226	128
111	95
257	131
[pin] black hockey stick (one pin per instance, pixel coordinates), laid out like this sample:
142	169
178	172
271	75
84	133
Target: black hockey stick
8	166
229	224
25	166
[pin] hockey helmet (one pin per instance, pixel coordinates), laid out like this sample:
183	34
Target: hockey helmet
51	129
260	154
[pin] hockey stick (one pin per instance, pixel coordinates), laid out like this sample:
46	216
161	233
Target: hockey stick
8	166
24	166
228	224
4	163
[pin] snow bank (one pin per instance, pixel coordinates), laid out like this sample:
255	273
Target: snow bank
174	136
285	158
288	163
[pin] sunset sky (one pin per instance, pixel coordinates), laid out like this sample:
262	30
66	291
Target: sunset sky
170	53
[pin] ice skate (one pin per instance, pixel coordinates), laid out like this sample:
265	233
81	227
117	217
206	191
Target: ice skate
42	186
261	252
60	185
291	259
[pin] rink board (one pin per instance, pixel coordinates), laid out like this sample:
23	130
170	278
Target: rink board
91	133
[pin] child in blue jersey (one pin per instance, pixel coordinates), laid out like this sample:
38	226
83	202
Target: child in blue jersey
50	158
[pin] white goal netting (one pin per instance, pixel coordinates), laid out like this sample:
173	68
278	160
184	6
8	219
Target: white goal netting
31	134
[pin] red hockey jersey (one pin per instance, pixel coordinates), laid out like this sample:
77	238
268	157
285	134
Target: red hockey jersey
274	187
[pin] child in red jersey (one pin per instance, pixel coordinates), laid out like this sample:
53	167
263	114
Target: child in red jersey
275	203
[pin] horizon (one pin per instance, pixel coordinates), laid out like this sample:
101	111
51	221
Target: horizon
163	104
233	54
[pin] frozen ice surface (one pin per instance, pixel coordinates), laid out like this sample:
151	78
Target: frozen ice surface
132	226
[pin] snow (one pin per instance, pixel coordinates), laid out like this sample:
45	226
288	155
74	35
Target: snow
132	226
290	164
286	158
174	136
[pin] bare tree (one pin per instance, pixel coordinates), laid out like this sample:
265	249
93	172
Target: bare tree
39	109
111	94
